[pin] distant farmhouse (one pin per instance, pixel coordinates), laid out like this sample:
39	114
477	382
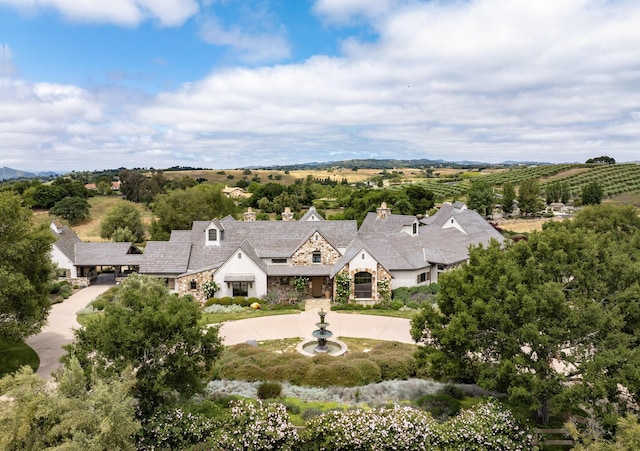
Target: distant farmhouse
235	192
250	258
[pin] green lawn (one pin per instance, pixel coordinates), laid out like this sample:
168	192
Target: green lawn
409	314
213	318
15	355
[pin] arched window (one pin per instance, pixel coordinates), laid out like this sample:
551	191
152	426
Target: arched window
194	285
362	285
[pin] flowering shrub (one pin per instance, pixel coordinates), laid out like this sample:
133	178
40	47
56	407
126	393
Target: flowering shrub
483	427
174	429
384	291
300	284
257	426
209	288
343	288
398	428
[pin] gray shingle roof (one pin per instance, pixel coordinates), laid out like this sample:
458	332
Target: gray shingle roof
269	239
382	238
166	257
66	240
298	271
103	254
392	223
312	215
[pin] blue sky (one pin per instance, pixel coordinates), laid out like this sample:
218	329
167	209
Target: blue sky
90	85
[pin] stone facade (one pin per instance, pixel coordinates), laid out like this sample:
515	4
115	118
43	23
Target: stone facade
379	275
82	282
183	285
304	255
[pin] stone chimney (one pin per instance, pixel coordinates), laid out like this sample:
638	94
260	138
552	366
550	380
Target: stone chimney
383	212
249	215
56	227
287	215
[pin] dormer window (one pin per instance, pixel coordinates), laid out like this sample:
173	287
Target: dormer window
415	228
213	235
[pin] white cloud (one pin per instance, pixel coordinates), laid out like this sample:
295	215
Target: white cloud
482	80
346	11
121	12
257	47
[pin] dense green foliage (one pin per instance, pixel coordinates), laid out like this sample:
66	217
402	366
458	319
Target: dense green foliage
562	306
40	195
592	194
75	413
529	197
508	197
135	187
408	200
25	271
123	219
386	361
557	192
481	197
73	209
156	333
604	159
178	209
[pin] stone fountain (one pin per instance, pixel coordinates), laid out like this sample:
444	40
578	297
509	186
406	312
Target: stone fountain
322	342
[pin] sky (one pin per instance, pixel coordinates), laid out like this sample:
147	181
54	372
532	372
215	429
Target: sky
91	85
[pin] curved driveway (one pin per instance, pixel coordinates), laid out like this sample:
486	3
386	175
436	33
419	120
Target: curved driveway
62	321
59	328
303	324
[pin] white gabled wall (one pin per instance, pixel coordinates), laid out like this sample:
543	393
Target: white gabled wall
452	223
63	262
242	265
358	263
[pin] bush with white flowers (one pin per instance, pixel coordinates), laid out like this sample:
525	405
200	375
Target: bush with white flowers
257	426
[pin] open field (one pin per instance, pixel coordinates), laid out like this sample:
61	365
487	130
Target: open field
232	176
523	225
632	198
89	230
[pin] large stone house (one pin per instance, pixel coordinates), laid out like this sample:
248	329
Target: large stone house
251	258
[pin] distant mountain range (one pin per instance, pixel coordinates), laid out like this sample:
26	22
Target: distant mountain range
10	173
391	164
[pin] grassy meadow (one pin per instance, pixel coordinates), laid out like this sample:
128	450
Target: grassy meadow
89	230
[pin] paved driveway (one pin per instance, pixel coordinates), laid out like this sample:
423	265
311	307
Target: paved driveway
303	324
62	320
59	329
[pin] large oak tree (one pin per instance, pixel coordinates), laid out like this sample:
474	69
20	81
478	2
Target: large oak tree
25	271
154	332
553	318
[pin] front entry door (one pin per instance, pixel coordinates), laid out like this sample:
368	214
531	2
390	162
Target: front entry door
316	286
